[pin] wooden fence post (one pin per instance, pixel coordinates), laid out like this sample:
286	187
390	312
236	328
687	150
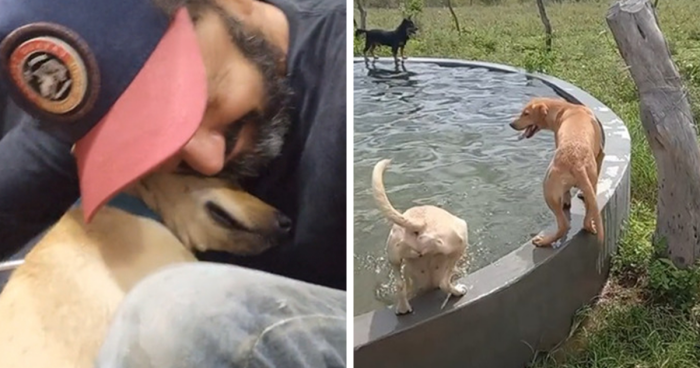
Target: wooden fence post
668	123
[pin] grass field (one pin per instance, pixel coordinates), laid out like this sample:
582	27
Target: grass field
647	315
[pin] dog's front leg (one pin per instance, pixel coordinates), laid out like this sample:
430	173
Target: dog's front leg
395	51
402	305
395	257
368	47
402	55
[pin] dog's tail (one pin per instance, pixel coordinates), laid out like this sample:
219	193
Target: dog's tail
589	196
383	201
360	31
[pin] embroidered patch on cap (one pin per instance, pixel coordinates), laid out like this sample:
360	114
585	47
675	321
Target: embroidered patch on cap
52	68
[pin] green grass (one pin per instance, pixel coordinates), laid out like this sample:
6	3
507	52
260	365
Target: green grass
637	322
630	335
646	315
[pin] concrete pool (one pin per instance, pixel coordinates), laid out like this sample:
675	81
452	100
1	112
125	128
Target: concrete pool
449	149
446	131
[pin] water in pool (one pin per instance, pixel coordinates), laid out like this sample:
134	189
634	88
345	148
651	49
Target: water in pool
446	131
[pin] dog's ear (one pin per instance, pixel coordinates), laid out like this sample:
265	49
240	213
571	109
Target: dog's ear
541	109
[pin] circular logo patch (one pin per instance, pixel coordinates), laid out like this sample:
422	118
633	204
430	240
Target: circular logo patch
50	73
52	69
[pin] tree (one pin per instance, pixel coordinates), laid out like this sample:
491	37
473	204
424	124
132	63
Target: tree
547	25
668	124
454	16
363	14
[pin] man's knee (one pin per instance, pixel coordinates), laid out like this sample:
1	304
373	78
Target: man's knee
203	288
205	312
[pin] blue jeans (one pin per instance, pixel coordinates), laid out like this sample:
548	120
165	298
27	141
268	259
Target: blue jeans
213	315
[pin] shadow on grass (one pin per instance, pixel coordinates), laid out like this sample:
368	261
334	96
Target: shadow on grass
628	327
630	334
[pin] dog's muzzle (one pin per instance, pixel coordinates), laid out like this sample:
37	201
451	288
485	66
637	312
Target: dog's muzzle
284	225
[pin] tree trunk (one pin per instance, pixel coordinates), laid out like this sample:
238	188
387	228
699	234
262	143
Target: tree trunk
668	123
363	14
547	25
454	16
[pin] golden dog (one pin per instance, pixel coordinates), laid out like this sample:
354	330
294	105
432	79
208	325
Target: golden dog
56	308
426	240
576	163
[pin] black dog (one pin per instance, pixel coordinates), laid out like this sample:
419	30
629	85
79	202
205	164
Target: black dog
396	39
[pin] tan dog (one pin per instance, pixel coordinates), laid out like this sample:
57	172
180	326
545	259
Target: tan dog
426	240
56	308
576	163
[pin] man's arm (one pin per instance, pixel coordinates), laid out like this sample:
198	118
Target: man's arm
321	226
38	180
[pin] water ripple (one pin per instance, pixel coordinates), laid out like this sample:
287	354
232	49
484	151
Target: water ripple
446	131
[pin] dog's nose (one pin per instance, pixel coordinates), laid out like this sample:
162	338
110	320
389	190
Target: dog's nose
512	125
284	223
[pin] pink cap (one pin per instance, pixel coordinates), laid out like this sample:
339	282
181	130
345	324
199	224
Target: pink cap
151	121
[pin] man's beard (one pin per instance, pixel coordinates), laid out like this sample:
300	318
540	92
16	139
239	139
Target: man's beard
270	124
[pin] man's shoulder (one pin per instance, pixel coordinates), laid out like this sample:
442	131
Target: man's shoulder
317	43
320	8
314	24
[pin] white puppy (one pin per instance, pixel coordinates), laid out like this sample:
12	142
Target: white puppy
428	241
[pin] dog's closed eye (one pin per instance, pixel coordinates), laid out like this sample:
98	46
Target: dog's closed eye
222	217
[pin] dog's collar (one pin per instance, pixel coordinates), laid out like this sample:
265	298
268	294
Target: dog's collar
132	205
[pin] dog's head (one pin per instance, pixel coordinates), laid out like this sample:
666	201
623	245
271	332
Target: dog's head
212	214
532	119
409	26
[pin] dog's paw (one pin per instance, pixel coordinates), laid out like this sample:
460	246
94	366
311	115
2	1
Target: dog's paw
542	241
589	225
403	308
460	290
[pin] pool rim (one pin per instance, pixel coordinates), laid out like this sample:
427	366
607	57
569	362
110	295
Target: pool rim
616	169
